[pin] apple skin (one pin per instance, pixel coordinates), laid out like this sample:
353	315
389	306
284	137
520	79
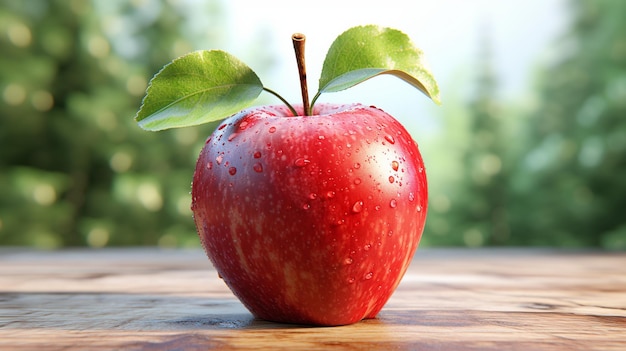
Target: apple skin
310	219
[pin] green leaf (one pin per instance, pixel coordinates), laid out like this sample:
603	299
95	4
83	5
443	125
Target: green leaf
363	52
200	87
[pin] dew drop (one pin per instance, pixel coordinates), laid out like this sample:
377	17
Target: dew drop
321	137
232	170
390	233
367	247
219	159
419	208
390	139
411	196
348	261
393	203
357	181
257	154
306	206
272	129
301	162
258	167
357	207
350	280
369	276
377	207
312	196
243	125
391	179
357	165
395	165
330	194
209	165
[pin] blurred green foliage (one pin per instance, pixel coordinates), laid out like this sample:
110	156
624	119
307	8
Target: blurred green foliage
551	172
75	170
74	167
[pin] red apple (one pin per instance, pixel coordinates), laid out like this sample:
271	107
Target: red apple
310	219
311	214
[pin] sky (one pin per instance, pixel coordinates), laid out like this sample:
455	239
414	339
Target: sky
449	32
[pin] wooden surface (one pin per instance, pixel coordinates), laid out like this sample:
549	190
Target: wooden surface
150	299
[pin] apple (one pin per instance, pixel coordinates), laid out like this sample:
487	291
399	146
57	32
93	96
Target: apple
310	213
322	213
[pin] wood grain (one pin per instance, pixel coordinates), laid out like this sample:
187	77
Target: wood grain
150	299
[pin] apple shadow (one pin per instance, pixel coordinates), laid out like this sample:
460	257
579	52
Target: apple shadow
142	312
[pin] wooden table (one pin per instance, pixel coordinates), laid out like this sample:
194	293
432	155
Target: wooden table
151	299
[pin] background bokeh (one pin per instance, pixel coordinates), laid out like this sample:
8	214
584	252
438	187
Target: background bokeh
528	148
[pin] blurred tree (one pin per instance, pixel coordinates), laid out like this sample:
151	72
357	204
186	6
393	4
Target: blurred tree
472	209
74	167
571	187
481	205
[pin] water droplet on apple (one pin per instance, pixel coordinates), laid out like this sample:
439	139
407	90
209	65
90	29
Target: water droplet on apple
357	165
395	165
339	222
232	136
209	165
321	137
367	247
419	208
258	167
411	196
369	276
232	170
301	162
272	129
390	139
348	261
393	203
243	125
390	233
357	207
357	181
257	154
350	280
330	194
377	207
306	206
219	159
391	179
312	196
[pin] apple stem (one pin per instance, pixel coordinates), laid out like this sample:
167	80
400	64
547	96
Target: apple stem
298	46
